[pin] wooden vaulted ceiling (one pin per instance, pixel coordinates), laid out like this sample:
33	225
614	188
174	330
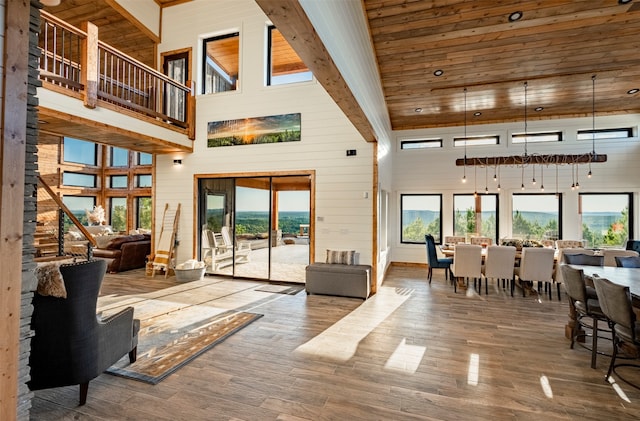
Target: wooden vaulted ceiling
556	47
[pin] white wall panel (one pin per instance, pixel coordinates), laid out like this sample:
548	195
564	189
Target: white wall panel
434	171
326	133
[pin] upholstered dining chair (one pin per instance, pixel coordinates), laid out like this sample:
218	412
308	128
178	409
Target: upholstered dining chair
633	245
583	259
71	344
433	261
584	256
536	265
566	244
616	304
585	302
467	263
628	262
481	240
454	239
499	264
611	254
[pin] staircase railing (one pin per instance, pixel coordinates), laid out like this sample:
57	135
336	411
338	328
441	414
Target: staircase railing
82	248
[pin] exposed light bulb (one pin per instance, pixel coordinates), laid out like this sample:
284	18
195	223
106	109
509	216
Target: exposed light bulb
495	177
573	186
533	181
522	187
486	190
498	187
541	187
475	194
464	178
577	186
589	174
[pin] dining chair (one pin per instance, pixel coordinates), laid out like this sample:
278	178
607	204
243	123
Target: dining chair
585	302
454	239
565	244
583	259
467	263
481	240
433	261
628	262
633	245
616	304
499	264
536	265
611	254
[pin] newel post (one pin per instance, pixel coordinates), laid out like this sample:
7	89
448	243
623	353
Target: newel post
89	70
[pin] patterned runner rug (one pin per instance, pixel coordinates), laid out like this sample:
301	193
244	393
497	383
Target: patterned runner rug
160	353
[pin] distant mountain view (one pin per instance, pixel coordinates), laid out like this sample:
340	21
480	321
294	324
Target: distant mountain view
598	221
258	221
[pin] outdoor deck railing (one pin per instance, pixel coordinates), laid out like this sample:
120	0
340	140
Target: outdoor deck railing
76	60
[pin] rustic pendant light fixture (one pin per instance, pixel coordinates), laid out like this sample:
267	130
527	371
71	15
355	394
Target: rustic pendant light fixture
526	159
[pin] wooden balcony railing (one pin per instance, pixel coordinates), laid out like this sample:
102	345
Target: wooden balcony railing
76	60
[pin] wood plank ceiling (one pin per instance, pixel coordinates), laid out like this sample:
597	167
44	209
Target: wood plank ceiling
556	46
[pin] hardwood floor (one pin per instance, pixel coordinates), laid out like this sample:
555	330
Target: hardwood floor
414	351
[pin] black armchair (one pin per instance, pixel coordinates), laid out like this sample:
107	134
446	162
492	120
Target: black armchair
432	258
71	344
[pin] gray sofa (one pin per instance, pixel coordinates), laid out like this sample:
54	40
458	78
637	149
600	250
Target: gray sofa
338	279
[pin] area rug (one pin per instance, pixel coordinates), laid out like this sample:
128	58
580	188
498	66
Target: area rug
281	289
160	354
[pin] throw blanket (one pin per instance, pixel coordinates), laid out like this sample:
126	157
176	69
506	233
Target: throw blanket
50	280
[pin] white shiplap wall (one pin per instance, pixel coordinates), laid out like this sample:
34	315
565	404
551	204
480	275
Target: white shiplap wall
434	171
341	181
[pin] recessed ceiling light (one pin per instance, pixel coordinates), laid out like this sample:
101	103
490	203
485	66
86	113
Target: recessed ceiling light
438	72
477	113
418	110
515	16
539	108
624	1
633	91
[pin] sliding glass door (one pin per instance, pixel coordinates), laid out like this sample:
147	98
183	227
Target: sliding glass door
256	227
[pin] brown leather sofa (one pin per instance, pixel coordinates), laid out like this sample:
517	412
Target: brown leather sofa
125	252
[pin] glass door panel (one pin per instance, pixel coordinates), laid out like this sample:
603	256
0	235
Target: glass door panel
290	248
250	233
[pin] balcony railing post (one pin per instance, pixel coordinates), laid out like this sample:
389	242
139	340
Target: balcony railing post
190	117
89	66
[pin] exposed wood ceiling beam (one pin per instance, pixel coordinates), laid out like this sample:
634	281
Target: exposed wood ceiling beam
289	17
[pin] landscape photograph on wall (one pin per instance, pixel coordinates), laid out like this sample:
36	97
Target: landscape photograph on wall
255	130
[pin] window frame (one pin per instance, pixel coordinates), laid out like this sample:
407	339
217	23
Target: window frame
630	214
94	177
559	197
438	142
480	140
495	235
64	148
437	237
233	83
540	137
269	63
588	134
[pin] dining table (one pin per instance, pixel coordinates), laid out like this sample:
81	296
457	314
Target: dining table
629	277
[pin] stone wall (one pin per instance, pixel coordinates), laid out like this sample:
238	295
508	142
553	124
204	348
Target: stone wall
30	211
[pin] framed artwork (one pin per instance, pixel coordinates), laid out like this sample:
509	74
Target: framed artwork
255	130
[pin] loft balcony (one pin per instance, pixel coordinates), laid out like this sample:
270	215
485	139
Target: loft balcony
94	92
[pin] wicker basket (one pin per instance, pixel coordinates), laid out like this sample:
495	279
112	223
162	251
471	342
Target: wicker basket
187	275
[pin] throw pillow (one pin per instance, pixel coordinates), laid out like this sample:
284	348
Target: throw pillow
342	257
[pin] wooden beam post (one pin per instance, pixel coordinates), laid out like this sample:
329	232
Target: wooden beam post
89	71
12	177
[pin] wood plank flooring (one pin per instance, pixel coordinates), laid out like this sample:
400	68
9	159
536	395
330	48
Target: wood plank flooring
414	351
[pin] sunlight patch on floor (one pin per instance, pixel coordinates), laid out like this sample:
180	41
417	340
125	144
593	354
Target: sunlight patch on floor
340	341
618	390
546	386
406	358
474	370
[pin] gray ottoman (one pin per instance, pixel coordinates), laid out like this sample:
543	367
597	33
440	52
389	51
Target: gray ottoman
338	279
